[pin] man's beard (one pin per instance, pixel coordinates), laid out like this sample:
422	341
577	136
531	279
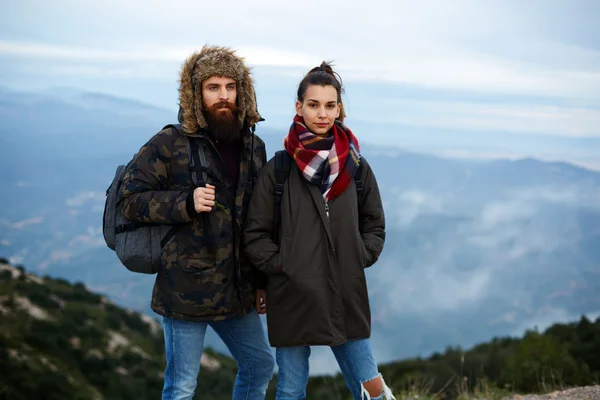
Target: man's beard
223	125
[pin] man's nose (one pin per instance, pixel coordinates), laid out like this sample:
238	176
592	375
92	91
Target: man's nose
223	94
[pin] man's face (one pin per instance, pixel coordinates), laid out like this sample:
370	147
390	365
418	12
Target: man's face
219	94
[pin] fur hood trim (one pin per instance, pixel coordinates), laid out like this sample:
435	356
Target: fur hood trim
214	61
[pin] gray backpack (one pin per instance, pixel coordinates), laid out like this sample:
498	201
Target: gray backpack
138	245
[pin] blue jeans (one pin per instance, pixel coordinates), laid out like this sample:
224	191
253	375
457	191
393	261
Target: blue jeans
355	359
245	338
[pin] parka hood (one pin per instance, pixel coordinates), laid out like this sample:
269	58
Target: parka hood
214	61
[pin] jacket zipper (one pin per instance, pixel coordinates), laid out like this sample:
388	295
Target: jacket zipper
329	223
235	275
327	212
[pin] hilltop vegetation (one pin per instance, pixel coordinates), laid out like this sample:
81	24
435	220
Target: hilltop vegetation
60	341
562	356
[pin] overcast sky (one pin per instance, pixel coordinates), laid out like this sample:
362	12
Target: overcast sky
520	78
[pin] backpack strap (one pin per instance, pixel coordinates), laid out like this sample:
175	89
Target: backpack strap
358	179
197	161
198	170
196	156
359	189
283	165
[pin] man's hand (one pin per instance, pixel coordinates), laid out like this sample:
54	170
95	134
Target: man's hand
204	198
261	301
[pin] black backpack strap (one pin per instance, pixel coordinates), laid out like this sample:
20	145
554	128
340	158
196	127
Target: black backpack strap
358	179
197	161
283	165
359	189
198	170
196	155
131	226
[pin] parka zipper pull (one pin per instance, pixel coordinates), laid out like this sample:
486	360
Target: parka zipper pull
329	220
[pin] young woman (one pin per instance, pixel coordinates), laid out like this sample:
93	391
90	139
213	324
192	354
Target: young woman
329	232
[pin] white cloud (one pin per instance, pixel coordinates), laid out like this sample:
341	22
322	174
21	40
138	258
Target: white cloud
84	196
27	222
435	65
460	264
497	213
411	203
429	288
472	116
465	45
514	226
254	55
446	65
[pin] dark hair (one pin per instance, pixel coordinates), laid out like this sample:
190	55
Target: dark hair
323	75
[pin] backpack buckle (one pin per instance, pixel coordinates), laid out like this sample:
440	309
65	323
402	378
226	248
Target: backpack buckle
279	189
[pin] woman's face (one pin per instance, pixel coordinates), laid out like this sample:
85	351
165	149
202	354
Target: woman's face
319	109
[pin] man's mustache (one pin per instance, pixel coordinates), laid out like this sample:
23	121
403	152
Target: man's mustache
223	104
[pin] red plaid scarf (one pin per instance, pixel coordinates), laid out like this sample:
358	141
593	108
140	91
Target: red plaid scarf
328	161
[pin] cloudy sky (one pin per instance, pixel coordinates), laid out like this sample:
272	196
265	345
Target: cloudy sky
464	78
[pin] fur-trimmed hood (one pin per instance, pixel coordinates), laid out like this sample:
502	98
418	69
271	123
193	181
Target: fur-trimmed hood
211	61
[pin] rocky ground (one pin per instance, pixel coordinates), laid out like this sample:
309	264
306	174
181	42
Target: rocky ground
579	393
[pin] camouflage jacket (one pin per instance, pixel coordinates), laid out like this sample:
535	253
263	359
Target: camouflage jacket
203	275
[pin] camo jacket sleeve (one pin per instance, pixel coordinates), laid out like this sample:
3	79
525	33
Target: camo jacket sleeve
145	194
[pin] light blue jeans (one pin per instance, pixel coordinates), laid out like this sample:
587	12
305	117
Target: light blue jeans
245	338
355	359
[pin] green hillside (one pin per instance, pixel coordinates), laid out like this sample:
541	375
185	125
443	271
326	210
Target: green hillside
562	356
60	341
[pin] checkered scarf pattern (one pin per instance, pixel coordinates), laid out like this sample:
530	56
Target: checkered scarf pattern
327	161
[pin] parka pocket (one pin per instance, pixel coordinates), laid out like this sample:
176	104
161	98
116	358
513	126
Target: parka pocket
282	261
364	255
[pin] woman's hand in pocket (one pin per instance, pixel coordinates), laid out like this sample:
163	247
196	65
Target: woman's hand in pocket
261	301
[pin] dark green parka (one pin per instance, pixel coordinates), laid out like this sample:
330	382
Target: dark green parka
316	290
